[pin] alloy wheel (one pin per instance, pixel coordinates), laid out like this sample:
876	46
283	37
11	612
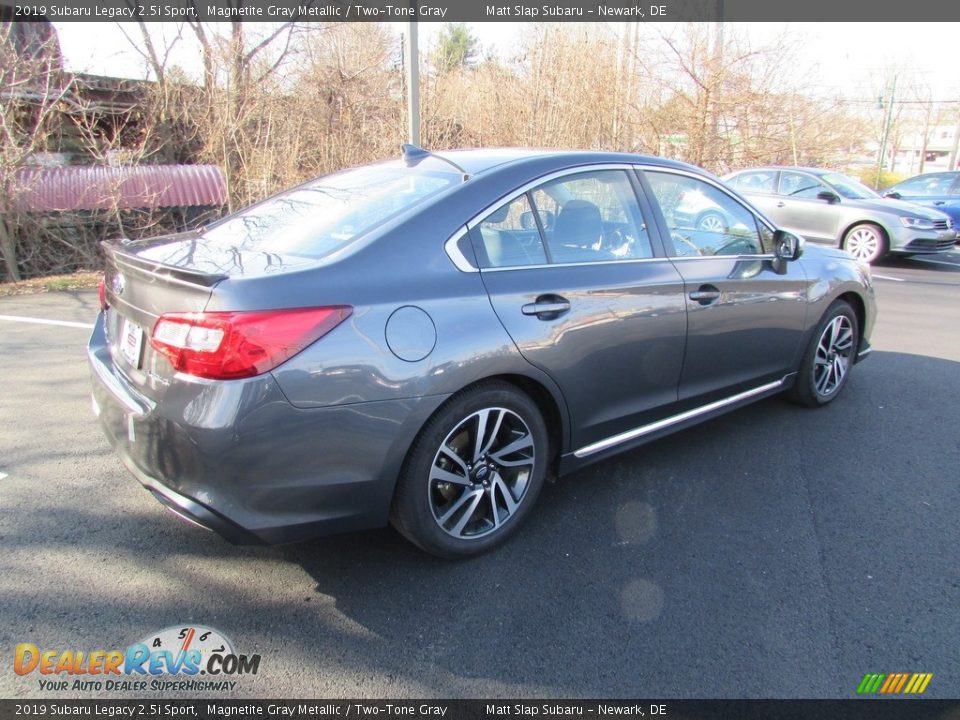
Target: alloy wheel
864	243
481	472
833	356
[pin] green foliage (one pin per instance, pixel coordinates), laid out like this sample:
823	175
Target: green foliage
868	176
457	48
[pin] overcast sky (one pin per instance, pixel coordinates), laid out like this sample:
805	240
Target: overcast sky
852	59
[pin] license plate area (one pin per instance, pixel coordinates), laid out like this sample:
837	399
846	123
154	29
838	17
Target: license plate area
131	343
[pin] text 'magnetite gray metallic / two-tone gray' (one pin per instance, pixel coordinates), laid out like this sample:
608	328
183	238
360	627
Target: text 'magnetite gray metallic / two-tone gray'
425	340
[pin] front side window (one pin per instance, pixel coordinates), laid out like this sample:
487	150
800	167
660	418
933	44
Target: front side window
926	186
702	219
800	185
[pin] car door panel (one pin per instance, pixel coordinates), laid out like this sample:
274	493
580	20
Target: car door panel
746	314
616	353
749	335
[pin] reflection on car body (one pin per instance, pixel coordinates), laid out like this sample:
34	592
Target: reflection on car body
831	208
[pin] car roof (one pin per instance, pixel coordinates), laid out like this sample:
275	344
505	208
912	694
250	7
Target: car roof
480	161
811	170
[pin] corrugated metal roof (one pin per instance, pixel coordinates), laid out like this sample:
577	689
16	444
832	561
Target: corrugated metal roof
90	187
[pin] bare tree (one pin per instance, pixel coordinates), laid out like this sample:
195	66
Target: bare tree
32	87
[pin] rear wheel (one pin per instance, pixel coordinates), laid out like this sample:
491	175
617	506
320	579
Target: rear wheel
866	242
473	473
827	361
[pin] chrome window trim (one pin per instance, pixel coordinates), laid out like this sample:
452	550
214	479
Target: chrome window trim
575	264
513	195
623	437
685	258
452	248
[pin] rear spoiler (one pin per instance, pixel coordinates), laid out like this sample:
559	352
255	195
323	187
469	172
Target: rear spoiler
114	251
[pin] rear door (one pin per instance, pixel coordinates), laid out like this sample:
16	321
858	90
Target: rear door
576	274
745	318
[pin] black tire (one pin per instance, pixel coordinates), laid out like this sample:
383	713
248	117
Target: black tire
827	362
867	242
458	496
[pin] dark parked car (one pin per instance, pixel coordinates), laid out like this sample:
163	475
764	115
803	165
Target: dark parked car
426	340
831	208
940	191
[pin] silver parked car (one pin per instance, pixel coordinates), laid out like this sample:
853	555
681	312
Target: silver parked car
828	207
426	340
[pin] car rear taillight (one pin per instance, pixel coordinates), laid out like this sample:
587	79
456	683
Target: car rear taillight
102	293
229	345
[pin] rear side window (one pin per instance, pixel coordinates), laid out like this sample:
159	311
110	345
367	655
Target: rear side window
578	218
591	217
758	181
510	236
325	215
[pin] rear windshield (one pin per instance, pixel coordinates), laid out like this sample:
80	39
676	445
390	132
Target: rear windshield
324	215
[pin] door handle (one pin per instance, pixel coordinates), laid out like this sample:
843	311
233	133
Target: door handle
781	204
547	307
939	202
705	294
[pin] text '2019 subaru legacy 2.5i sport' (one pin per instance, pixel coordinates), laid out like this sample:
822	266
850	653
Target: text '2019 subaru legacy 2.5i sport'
423	341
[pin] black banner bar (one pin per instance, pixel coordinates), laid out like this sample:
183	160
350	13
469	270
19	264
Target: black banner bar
873	709
486	11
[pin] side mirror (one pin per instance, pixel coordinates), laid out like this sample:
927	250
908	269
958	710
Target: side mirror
893	195
787	246
830	197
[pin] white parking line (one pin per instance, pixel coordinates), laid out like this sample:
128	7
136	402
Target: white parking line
888	277
938	262
42	321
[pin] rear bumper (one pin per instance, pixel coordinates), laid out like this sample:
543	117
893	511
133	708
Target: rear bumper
237	458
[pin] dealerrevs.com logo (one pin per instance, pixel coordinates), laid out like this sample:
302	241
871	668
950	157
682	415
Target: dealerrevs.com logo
181	658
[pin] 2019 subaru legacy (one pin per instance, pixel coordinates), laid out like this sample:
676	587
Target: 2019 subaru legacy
423	341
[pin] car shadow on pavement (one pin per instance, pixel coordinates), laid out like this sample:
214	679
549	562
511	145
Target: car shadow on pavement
726	545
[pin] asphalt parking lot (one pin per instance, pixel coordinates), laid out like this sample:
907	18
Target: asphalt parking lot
774	552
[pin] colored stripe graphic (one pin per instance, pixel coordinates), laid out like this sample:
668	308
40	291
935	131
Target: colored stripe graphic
894	683
870	683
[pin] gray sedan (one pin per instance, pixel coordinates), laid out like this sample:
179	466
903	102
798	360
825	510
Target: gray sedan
831	208
426	340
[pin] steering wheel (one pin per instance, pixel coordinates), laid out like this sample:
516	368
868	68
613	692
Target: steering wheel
744	247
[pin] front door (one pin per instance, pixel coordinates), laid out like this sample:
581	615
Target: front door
745	319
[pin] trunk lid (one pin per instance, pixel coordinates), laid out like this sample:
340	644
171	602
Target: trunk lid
138	290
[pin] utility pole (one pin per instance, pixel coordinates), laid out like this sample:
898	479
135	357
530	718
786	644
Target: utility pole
956	145
886	130
412	62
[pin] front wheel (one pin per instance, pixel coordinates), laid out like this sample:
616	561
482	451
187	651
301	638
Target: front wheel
866	242
827	361
473	473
